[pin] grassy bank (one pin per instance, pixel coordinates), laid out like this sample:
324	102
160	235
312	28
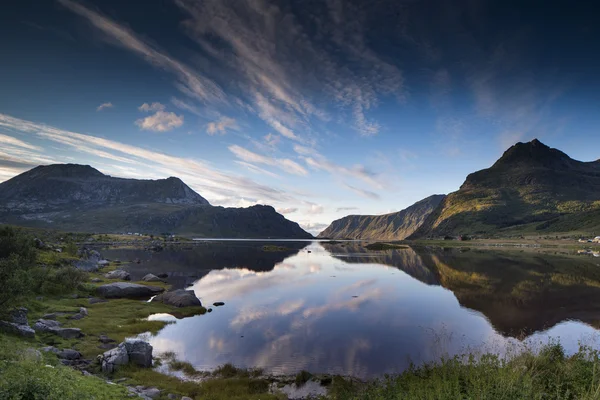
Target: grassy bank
549	374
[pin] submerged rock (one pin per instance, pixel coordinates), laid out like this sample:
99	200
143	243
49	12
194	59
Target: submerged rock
127	290
179	298
118	274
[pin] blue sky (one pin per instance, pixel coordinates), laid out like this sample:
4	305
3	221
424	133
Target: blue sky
319	108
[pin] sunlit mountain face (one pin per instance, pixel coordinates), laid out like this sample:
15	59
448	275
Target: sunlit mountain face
318	108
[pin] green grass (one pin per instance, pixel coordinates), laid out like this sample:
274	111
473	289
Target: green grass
384	246
23	377
548	374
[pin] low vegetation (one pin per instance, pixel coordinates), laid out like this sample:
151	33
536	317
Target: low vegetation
549	374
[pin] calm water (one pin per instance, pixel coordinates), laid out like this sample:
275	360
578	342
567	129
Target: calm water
340	309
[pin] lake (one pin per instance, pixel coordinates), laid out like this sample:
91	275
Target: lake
339	308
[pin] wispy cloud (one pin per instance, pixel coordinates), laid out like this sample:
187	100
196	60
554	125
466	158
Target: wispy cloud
364	193
346	209
221	126
285	164
104	106
257	170
317	161
315	209
287	210
189	81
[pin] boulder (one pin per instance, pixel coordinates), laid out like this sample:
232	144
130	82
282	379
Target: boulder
50	349
69	354
96	280
105	339
151	278
127	290
118	274
103	263
76	316
38	243
111	359
179	298
140	352
132	350
67	333
83	311
19	316
16	329
45	325
152	393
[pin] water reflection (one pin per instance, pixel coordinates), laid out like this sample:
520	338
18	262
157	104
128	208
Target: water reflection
340	310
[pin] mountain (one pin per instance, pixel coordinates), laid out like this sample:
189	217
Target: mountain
531	187
394	226
80	198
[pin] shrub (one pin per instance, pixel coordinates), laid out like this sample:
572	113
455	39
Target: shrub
17	260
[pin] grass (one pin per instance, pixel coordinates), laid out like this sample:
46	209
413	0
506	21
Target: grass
384	246
548	374
25	377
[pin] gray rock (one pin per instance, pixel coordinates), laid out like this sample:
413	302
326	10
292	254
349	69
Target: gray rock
107	346
96	280
105	339
38	243
130	290
67	333
103	263
45	325
83	311
186	398
172	396
74	296
94	300
76	316
69	354
86	265
19	316
152	393
112	359
50	349
179	298
118	274
140	352
151	278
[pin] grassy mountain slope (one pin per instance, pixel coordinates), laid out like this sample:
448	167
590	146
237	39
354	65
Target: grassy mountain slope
394	226
530	184
81	199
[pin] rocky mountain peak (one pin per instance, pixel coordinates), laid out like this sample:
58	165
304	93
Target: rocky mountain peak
533	153
65	171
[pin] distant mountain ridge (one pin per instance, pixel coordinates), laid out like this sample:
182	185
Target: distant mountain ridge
393	226
80	198
532	186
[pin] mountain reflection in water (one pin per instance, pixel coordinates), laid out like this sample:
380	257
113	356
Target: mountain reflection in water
342	309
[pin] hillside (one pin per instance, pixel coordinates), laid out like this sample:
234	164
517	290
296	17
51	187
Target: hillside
80	198
531	185
394	226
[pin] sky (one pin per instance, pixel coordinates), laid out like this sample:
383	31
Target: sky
320	108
